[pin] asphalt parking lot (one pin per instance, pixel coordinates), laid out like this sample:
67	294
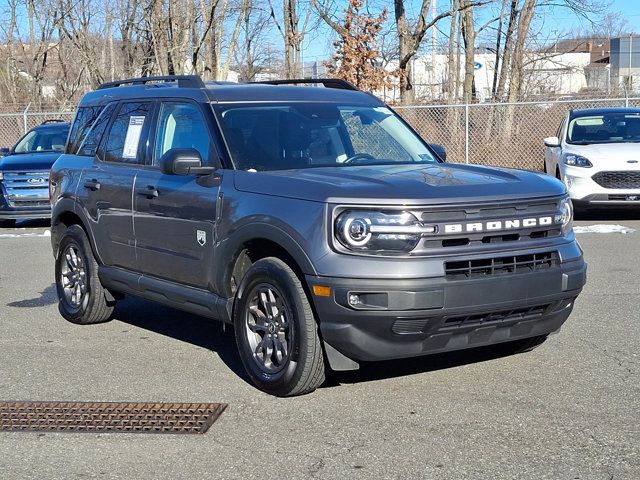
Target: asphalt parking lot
568	410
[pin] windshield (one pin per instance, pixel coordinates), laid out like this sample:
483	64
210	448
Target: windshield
288	136
607	128
43	140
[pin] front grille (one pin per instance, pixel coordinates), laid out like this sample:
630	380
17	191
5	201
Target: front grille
29	203
416	326
482	214
460	269
26	189
618	179
516	315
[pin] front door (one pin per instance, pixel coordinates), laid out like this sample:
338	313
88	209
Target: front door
175	215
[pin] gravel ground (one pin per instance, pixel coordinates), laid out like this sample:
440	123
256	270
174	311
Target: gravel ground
568	410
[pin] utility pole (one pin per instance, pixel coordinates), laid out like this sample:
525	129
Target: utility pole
433	50
630	50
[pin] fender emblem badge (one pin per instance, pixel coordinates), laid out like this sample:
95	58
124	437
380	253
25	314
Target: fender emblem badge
201	237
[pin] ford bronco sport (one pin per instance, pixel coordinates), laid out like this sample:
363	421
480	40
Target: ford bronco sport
315	220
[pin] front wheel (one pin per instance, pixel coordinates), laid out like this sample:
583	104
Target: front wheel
82	298
276	331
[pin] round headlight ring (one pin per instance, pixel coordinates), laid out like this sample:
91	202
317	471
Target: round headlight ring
566	215
356	231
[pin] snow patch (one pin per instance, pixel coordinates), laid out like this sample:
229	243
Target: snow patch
46	233
603	229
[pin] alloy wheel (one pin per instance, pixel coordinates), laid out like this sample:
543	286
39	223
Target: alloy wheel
73	276
268	330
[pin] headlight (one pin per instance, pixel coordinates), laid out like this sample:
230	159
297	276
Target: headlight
565	217
576	161
376	231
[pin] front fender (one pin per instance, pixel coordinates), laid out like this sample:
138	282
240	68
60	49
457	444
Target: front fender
260	231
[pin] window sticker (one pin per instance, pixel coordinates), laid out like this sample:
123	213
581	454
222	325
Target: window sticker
132	139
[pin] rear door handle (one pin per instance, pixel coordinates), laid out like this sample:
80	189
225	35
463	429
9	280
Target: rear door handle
92	184
149	191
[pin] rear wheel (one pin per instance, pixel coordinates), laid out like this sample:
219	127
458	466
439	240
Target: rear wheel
82	298
276	331
7	223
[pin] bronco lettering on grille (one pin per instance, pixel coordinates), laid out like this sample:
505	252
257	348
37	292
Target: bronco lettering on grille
497	225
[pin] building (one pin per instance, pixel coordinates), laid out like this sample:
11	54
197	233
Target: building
625	63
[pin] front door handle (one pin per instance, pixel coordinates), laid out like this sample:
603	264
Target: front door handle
92	184
149	191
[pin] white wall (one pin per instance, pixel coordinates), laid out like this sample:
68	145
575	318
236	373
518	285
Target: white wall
560	75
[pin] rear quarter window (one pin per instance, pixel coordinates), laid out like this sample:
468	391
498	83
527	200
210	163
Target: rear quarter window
85	117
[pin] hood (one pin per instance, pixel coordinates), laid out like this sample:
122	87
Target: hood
29	161
407	184
615	154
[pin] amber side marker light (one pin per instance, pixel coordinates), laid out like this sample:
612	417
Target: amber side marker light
321	291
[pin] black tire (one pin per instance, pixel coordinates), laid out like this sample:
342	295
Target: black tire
92	304
521	346
7	223
295	365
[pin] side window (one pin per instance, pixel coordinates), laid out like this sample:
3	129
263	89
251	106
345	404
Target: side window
124	137
92	139
81	125
181	125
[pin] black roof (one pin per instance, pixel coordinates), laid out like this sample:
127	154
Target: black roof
52	125
229	92
602	111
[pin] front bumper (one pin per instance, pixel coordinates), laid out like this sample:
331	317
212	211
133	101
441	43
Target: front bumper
10	212
25	214
433	315
585	192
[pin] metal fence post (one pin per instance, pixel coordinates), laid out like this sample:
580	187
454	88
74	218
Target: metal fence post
466	133
24	118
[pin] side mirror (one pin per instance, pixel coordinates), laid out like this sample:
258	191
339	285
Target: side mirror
439	150
5	151
552	142
183	161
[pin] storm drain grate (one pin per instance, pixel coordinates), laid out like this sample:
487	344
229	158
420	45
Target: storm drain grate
108	417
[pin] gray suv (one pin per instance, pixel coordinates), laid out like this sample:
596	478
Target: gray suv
311	218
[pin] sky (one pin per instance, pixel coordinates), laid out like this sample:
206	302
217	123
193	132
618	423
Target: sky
318	44
550	28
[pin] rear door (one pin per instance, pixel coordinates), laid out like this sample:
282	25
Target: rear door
106	187
174	215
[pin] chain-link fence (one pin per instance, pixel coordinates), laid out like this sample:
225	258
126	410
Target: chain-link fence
501	134
14	125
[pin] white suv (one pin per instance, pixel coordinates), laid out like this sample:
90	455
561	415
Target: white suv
596	153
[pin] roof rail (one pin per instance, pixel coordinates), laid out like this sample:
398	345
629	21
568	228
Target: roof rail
184	81
327	82
53	120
